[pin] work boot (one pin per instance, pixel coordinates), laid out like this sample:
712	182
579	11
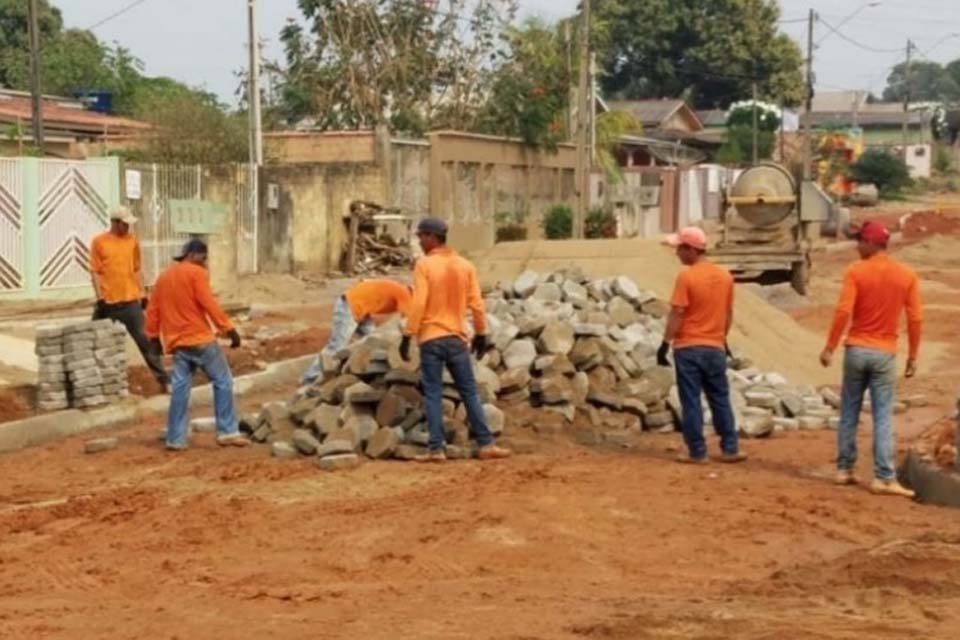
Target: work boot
844	477
890	488
432	456
732	458
686	458
493	452
233	440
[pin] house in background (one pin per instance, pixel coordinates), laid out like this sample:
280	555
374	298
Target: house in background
881	123
70	129
672	134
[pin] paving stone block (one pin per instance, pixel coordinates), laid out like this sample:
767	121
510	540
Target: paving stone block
339	462
98	445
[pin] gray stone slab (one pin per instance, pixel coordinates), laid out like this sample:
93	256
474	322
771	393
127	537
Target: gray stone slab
339	462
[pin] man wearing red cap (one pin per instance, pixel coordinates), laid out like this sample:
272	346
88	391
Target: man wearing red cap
876	291
699	320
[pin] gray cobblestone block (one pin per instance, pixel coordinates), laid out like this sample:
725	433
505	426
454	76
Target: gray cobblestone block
55	387
52	376
80	365
103	323
91	401
54	360
84	348
86	377
78	331
48	332
87	392
106	353
52	396
48	350
52	406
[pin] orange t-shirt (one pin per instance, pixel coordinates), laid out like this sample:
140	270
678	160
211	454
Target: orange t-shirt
182	306
116	260
705	293
875	293
444	286
371	297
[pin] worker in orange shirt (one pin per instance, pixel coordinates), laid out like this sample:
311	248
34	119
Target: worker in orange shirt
179	315
353	313
700	318
118	284
876	291
445	286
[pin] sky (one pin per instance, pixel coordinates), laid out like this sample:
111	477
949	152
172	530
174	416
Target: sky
202	42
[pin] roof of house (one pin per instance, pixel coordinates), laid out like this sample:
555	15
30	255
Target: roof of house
713	117
838	100
882	118
653	113
64	115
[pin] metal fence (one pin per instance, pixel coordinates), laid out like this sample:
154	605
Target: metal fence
161	183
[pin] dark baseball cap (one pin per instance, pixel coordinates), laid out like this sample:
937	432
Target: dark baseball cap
193	245
433	226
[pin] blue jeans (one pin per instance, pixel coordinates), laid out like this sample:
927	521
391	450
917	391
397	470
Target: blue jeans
344	326
875	370
208	358
451	352
705	369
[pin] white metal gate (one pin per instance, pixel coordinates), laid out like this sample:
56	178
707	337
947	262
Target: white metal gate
160	183
73	207
11	225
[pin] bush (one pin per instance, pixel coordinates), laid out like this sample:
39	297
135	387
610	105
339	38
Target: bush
885	170
558	222
942	160
511	225
600	224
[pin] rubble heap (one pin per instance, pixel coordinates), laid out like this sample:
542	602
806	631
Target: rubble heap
582	348
81	365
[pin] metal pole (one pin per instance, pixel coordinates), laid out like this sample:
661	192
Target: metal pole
754	122
807	137
35	89
906	100
583	113
256	133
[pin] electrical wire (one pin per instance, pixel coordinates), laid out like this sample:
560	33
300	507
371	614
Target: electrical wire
117	14
847	38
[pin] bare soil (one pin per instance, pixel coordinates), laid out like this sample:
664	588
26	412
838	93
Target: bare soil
559	542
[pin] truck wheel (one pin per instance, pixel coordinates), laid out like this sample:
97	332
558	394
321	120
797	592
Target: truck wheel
799	277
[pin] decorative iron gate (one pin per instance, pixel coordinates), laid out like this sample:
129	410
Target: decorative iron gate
11	225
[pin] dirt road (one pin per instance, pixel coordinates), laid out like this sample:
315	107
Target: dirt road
563	542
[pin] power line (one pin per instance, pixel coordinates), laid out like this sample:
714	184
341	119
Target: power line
843	36
117	13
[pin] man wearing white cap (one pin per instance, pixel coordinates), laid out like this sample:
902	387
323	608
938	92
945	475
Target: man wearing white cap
118	284
700	317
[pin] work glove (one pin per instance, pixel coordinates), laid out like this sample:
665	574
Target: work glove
101	308
234	338
143	303
479	345
662	354
405	348
155	347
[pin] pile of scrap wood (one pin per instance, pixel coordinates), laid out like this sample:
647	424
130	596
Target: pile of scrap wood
378	239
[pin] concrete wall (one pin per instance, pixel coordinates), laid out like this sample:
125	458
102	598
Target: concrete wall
474	177
306	231
322	147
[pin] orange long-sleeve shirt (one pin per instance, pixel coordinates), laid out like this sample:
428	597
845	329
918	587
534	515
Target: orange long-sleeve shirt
874	295
115	261
371	297
444	286
182	307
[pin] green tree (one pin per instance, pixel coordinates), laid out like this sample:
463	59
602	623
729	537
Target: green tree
15	40
929	81
707	52
888	172
610	127
530	87
361	63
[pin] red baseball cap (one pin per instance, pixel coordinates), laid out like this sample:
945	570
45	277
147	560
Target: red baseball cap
874	233
690	236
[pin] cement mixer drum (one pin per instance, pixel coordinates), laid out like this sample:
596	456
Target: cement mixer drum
764	194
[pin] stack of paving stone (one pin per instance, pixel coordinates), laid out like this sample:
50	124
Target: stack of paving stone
578	349
88	370
51	376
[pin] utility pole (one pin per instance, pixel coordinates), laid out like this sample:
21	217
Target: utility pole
256	132
583	126
906	100
35	99
808	107
754	122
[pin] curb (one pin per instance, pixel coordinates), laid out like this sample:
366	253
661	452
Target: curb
38	430
932	484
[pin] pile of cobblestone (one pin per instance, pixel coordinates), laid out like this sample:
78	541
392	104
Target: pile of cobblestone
81	365
563	343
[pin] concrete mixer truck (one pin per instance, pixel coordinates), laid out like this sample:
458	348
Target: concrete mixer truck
767	226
